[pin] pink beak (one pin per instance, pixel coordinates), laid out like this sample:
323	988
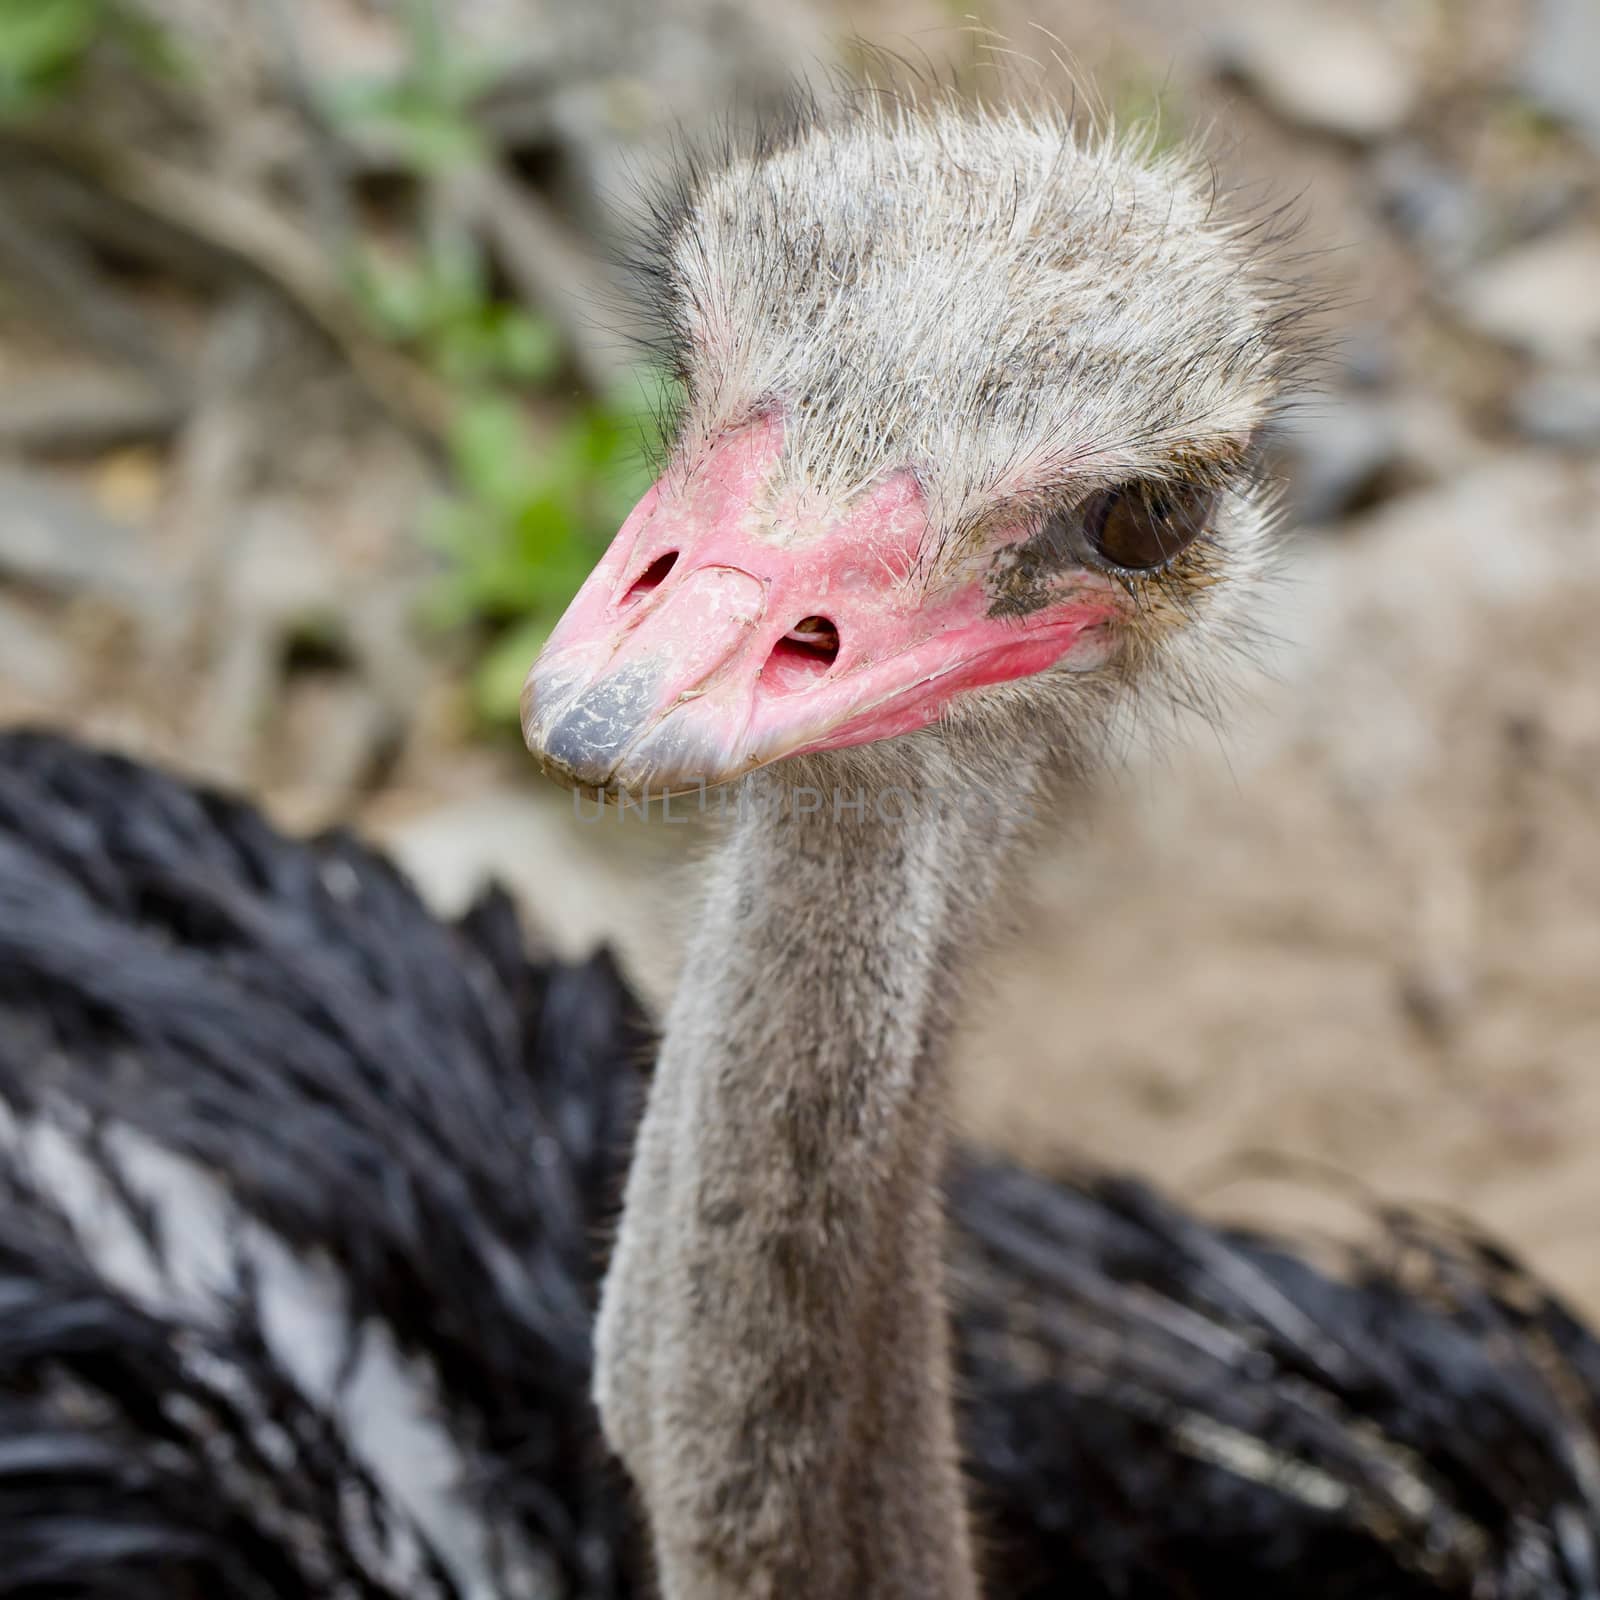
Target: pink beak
717	634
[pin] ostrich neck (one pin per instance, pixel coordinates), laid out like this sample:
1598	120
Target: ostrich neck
772	1362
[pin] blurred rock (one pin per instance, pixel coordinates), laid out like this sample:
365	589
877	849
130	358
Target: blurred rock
1347	452
1338	457
1543	299
238	690
1543	202
333	737
1322	66
380	627
1561	409
612	88
586	879
55	539
1365	355
1451	220
281	572
1560	69
275	581
33	658
1434	205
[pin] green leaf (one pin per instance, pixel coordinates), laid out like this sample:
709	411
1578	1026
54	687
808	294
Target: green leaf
493	454
531	514
428	132
42	42
392	295
529	349
498	678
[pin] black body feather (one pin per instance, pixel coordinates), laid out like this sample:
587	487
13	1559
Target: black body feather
1151	1407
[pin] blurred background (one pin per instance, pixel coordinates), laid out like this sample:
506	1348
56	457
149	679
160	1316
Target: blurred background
320	392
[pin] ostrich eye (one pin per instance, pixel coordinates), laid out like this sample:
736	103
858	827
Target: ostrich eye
1142	526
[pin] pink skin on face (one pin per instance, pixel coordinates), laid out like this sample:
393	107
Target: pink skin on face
662	676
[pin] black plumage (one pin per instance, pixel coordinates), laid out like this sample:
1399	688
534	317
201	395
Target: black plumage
1152	1407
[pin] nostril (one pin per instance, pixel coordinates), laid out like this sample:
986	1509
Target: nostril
652	577
816	636
802	656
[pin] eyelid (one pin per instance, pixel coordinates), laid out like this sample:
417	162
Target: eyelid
1028	520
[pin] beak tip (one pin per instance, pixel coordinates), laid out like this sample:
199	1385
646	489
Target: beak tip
541	730
527	712
577	731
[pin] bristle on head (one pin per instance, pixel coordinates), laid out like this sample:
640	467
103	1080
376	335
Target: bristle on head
982	390
998	299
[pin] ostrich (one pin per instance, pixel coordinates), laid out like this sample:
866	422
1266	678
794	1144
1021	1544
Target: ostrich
305	1194
968	464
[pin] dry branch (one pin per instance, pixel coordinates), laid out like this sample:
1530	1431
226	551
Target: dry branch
258	241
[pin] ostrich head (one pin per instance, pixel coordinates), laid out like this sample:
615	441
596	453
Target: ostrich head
969	449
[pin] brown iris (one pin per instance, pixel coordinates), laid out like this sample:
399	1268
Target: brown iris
1142	526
